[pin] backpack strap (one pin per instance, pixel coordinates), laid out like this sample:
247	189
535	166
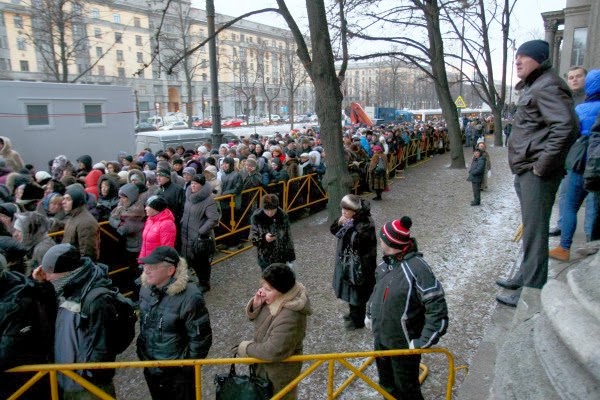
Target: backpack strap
92	295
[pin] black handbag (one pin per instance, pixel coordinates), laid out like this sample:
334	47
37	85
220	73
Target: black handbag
232	386
351	262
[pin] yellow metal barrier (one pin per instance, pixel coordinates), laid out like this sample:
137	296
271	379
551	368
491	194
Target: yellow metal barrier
317	360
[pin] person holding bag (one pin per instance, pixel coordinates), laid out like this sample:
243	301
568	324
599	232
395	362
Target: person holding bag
355	259
378	171
200	216
279	311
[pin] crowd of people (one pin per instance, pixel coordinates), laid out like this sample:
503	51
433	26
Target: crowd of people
162	207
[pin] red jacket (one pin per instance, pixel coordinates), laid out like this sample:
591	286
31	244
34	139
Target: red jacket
159	230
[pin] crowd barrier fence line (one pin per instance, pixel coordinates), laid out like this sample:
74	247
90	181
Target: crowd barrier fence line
317	360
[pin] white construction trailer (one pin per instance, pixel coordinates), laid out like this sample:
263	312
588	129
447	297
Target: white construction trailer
44	120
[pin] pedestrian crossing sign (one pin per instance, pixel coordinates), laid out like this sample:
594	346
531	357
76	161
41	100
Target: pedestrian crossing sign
460	103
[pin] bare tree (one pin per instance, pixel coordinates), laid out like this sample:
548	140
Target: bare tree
294	76
58	31
270	82
177	41
246	75
479	16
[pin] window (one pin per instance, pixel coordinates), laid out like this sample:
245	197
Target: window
140	57
99	52
93	113
138	40
121	72
142	91
4	64
233	36
118	37
204	77
120	55
21	44
18	20
97	33
116	18
24	65
579	43
101	70
242	38
137	22
95	13
37	114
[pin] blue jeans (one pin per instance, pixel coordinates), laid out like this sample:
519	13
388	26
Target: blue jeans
574	197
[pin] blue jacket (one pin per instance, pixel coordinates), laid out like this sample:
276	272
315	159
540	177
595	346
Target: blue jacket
588	110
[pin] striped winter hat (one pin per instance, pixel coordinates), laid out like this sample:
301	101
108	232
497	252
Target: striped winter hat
396	234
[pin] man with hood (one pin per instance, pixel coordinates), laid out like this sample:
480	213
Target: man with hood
79	337
174	324
13	159
128	220
172	192
544	129
81	229
200	216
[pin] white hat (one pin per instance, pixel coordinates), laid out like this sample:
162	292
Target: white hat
41	175
202	149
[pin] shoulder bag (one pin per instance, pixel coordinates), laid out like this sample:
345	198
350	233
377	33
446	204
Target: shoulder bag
232	386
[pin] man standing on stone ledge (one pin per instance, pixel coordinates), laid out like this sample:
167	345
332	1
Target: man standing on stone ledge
545	127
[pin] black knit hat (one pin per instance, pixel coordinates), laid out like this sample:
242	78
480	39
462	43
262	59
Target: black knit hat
164	172
77	195
280	277
199	178
396	234
157	203
539	50
61	258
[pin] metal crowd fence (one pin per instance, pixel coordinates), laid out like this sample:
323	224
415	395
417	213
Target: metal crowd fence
313	361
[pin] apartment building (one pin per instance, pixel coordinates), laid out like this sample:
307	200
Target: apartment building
132	43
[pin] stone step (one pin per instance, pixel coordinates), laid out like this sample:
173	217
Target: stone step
583	283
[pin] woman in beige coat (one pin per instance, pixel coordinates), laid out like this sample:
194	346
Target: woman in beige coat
278	310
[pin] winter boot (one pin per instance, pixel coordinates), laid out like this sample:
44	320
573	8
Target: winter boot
560	253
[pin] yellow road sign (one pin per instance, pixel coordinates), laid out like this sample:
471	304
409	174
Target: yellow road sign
460	103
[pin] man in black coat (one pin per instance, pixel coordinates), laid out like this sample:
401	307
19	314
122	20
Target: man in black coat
476	175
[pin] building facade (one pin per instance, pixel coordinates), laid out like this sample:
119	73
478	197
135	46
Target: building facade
132	43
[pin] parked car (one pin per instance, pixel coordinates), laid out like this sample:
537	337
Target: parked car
202	123
174	126
145	127
233	122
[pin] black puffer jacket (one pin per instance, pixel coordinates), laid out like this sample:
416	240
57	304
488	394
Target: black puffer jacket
545	125
174	321
200	216
407	304
364	245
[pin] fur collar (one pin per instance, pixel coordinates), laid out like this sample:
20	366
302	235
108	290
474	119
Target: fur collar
296	300
178	282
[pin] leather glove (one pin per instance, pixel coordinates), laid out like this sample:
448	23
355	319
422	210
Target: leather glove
368	323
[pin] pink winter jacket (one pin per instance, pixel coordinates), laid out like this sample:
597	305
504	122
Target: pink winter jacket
159	230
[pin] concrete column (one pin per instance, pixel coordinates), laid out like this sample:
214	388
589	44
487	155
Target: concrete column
556	58
592	52
550	28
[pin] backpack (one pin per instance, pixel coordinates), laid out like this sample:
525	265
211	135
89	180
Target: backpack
591	173
27	316
380	168
121	328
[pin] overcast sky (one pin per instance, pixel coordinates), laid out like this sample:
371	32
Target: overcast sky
527	23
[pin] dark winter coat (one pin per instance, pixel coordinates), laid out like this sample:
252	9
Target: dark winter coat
280	250
174	321
200	217
545	125
359	238
90	333
231	183
477	169
407	303
251	180
81	230
280	328
106	204
175	197
26	332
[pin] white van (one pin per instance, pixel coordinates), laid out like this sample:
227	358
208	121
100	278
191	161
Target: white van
188	138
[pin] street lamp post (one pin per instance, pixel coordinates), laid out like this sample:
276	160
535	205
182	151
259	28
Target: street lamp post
217	136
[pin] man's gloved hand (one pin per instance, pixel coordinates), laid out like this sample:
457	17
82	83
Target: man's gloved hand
368	323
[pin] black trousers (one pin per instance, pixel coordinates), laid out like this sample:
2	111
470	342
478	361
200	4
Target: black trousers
536	195
476	192
170	384
200	262
399	376
357	314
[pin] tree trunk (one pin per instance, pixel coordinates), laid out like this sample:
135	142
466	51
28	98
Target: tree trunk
498	138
